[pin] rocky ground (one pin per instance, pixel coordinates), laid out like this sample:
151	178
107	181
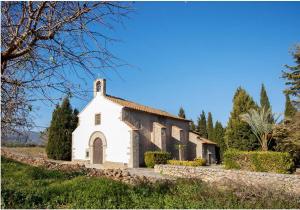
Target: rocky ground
129	176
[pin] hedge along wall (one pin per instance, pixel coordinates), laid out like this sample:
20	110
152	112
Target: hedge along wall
195	163
286	182
278	162
156	157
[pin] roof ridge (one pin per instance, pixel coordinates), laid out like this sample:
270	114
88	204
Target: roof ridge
138	103
140	107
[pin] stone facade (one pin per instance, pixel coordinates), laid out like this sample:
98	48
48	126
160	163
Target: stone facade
209	153
286	182
159	136
157	133
163	133
199	148
134	149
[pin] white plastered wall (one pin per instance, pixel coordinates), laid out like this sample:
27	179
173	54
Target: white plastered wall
116	132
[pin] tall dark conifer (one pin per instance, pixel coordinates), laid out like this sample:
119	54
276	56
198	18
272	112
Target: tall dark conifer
210	126
52	143
75	119
290	110
264	101
192	126
202	130
219	132
181	113
238	133
63	123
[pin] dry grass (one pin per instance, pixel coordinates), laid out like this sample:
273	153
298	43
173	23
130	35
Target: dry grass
27	151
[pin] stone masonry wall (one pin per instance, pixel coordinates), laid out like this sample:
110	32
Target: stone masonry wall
117	174
287	182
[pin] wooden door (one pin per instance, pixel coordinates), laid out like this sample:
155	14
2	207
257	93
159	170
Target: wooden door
98	151
209	159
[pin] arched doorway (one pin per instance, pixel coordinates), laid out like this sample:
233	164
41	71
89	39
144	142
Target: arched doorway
98	151
97	145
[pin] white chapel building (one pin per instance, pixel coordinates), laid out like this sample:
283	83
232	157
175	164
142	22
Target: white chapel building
117	131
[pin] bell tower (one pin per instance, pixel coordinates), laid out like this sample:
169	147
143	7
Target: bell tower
100	87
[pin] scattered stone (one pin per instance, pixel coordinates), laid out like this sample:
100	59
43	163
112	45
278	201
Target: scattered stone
290	183
115	174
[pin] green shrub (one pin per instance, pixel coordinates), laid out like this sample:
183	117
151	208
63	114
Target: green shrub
156	157
20	190
262	161
201	160
42	173
195	163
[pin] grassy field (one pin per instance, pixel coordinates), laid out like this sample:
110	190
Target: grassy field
28	151
25	186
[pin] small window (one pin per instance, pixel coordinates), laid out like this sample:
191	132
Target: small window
87	153
97	119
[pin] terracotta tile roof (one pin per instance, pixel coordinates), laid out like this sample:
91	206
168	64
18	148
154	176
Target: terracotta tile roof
206	141
203	140
139	107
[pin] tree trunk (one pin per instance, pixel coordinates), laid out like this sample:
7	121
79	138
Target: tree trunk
264	145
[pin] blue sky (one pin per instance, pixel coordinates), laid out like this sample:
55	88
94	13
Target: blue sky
196	54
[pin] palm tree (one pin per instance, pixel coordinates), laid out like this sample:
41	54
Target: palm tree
260	125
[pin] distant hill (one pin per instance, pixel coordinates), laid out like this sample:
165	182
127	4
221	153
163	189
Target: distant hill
30	137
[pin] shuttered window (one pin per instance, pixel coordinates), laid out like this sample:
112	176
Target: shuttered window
97	119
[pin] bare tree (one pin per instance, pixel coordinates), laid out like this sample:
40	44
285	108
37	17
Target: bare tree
42	43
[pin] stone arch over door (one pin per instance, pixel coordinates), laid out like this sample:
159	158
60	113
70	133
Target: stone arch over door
97	146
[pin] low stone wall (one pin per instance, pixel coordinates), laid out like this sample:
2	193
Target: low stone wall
285	182
68	166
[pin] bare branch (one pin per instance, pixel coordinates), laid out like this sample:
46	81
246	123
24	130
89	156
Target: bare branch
43	43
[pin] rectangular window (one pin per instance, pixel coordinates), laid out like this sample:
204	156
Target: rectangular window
97	119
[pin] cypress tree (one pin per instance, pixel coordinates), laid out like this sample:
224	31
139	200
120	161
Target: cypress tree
63	123
192	126
238	133
75	119
290	110
264	101
181	113
210	126
52	134
202	130
219	132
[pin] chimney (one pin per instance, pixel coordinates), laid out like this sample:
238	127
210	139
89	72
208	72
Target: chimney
100	87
